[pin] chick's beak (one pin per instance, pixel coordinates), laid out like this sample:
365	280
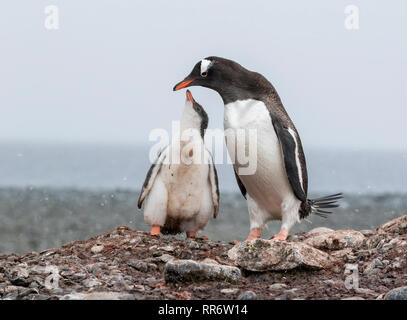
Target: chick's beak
183	84
190	97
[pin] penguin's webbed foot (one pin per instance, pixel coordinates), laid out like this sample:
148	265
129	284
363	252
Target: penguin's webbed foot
194	235
155	231
282	235
255	233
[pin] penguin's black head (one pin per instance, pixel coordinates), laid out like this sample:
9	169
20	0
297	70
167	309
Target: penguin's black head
210	72
227	77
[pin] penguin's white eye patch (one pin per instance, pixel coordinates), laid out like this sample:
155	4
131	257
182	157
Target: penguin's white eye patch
205	65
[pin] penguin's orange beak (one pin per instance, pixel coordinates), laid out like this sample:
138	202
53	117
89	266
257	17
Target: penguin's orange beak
189	97
183	84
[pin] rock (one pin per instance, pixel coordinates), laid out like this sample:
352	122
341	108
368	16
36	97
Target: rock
353	298
396	263
22	282
291	292
166	257
210	261
366	291
166	248
10	296
380	297
342	254
373	267
90	283
20	271
98	296
78	276
228	291
97	248
336	240
57	291
135	240
378	263
247	295
192	271
277	286
397	294
10	289
151	282
138	265
193	245
319	230
139	287
270	255
367	232
397	226
95	268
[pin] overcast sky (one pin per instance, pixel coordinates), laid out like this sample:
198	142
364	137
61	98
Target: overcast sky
106	75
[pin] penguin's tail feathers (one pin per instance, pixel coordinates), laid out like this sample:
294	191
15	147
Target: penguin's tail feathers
319	205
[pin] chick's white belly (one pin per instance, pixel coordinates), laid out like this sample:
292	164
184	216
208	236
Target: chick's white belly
185	185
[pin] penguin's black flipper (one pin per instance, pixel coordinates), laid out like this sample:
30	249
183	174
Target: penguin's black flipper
151	175
290	148
213	179
240	184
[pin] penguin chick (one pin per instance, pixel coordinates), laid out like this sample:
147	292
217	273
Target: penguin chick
181	189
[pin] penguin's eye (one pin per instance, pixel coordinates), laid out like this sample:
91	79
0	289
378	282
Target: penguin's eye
204	74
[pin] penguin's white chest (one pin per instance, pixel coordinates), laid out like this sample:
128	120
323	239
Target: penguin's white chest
268	185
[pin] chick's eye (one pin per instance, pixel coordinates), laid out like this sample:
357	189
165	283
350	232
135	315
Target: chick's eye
204	74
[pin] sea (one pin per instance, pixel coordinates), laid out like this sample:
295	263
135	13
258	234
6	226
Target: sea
52	194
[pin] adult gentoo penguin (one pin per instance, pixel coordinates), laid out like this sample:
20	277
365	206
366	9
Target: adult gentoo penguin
278	189
181	190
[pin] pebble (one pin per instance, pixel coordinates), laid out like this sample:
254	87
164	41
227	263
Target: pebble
26	292
138	265
97	248
353	298
193	271
277	286
152	266
378	263
90	283
367	232
23	282
247	295
78	276
95	268
166	248
139	287
41	297
10	289
193	245
98	296
166	257
209	261
135	240
292	291
396	265
229	291
58	291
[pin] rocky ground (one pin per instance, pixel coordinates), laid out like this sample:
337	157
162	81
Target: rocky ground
127	264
